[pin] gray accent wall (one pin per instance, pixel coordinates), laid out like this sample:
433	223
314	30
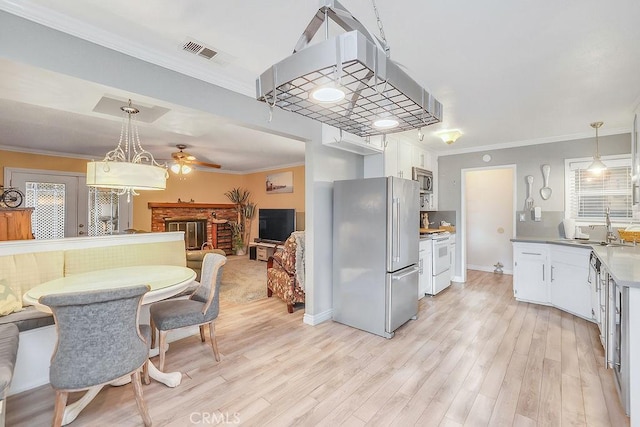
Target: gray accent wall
528	160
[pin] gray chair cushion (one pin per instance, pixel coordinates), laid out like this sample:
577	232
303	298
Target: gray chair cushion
9	335
175	314
28	318
97	336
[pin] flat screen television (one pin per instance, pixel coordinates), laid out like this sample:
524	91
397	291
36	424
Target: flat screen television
275	225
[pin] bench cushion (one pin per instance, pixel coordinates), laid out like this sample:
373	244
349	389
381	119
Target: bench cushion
28	318
24	271
8	351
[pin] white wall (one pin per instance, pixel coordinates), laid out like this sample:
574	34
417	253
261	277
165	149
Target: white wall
489	218
63	53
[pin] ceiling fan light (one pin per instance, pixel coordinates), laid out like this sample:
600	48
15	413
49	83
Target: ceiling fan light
181	169
327	95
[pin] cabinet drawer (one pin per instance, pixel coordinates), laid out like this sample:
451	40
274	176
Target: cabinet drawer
262	253
578	257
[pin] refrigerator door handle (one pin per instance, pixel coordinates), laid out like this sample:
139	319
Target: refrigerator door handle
397	232
403	275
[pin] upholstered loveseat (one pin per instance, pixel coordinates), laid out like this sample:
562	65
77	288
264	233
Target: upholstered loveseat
285	271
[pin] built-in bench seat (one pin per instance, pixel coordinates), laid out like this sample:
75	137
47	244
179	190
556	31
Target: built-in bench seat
28	318
8	353
25	264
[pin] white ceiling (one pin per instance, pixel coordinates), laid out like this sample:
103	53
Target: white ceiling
507	73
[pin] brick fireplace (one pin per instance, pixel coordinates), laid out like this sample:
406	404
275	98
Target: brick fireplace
217	232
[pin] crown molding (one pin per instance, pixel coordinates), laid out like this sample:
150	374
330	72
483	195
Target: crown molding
46	153
60	22
548	140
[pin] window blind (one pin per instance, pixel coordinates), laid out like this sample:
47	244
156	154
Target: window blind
590	194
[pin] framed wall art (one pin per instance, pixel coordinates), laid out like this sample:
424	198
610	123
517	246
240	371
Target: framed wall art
279	183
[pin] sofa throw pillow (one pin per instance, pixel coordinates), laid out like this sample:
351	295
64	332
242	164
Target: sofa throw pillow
9	302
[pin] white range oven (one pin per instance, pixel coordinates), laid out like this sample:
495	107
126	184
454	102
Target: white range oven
440	263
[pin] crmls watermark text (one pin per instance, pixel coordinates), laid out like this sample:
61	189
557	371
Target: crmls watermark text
214	418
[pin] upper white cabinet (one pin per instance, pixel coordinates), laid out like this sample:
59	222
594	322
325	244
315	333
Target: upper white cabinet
530	272
398	158
334	137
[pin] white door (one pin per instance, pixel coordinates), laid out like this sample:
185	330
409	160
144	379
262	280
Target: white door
59	199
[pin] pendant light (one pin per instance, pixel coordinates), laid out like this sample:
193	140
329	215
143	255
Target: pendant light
596	166
127	168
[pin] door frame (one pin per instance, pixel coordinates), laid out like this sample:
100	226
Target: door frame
463	209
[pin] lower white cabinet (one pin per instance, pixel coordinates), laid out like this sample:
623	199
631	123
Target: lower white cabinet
424	264
452	254
530	272
555	275
569	285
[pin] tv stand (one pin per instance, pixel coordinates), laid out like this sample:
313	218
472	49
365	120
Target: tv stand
263	249
275	242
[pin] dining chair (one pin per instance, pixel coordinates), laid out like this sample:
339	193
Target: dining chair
99	341
200	309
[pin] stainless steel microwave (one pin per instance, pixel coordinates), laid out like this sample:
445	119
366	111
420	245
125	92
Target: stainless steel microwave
424	178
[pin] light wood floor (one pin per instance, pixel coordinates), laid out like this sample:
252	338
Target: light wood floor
474	357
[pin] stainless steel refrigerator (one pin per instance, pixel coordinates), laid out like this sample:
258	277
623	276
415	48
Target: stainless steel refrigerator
375	253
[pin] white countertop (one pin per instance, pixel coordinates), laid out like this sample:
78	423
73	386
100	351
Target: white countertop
623	263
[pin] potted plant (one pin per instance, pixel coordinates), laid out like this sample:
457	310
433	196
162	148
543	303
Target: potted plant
246	210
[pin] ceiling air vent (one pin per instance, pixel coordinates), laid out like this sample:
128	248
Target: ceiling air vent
198	48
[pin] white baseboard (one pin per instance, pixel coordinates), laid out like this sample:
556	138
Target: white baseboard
486	268
316	319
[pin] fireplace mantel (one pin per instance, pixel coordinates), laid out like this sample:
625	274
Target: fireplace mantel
218	232
188	205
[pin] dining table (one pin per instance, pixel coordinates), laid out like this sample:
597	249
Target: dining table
164	281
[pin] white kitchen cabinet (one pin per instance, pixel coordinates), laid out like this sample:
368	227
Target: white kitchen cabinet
452	254
398	158
424	264
530	272
569	285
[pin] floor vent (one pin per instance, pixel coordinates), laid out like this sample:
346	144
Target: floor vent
198	48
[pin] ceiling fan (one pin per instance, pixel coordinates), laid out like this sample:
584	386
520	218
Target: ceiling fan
183	160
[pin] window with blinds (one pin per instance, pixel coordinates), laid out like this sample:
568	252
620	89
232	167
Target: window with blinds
589	194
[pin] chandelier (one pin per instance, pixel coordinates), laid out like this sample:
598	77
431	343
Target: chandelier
128	168
348	81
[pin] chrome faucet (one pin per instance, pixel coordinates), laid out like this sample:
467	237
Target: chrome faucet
610	236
